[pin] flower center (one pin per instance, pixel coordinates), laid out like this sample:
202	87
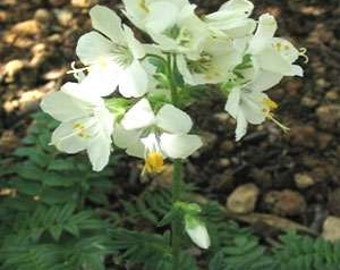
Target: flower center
121	55
143	6
154	162
81	131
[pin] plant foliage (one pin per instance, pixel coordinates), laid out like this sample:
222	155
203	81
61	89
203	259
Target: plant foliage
51	212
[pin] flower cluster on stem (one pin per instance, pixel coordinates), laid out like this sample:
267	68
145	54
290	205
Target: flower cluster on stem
129	93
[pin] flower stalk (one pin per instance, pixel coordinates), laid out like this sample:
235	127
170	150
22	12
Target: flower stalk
176	225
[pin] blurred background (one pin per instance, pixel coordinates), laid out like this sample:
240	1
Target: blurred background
297	174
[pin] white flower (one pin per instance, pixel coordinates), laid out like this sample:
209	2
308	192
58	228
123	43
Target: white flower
197	231
150	15
217	59
86	124
273	54
171	23
248	103
232	18
113	55
153	136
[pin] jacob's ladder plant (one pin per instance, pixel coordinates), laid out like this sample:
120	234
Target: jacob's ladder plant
130	94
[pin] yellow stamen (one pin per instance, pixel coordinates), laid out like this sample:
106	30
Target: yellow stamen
154	163
303	54
143	6
271	105
80	130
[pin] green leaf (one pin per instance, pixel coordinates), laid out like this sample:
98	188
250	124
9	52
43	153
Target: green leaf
29	171
56	231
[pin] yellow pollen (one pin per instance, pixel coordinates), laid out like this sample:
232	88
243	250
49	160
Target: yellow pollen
80	130
278	46
154	162
143	6
270	104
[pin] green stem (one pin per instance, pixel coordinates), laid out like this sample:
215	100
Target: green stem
171	65
176	222
176	225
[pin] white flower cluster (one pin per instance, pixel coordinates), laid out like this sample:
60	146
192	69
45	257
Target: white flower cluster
225	47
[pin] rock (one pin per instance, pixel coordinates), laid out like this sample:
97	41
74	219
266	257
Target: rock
224	162
42	16
303	180
262	178
12	68
331	229
333	95
243	199
329	117
83	3
309	102
227	146
294	86
285	203
8	141
334	202
209	139
64	17
324	139
303	136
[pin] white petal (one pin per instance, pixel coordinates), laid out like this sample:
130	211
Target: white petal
105	121
162	16
136	11
173	120
123	138
264	33
198	233
136	149
133	80
139	116
297	71
134	45
94	48
252	106
107	22
64	107
272	61
99	151
231	10
179	146
103	78
241	126
185	72
232	18
286	49
265	80
233	102
66	139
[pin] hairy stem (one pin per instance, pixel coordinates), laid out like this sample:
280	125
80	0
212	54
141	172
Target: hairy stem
176	222
176	226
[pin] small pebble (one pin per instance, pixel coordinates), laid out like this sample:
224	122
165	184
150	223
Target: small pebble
285	202
303	180
83	3
331	229
243	199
